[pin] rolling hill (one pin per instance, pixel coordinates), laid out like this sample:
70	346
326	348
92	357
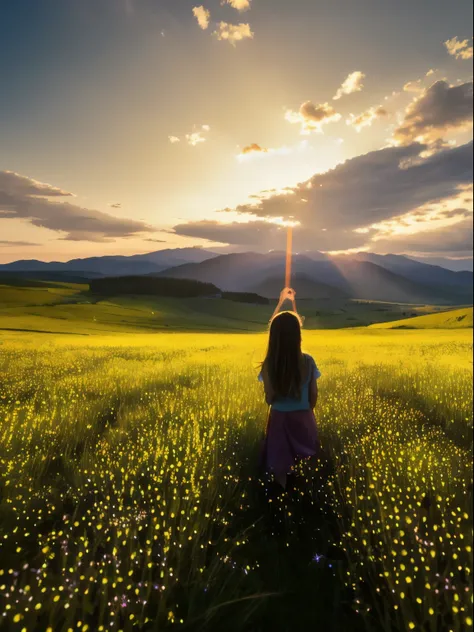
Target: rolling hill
305	287
151	286
63	308
159	287
71	309
453	319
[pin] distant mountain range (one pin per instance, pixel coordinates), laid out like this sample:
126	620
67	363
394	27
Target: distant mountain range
365	276
115	265
457	265
392	278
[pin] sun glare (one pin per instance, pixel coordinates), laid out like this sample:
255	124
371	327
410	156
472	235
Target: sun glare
287	223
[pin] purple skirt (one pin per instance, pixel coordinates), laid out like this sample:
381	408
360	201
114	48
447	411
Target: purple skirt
290	436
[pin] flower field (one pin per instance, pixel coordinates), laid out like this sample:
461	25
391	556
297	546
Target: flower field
130	497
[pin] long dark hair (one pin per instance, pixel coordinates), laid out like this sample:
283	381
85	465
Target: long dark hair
283	359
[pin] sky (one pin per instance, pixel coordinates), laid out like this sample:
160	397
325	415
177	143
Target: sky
128	126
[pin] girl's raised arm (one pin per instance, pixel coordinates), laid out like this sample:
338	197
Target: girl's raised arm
286	294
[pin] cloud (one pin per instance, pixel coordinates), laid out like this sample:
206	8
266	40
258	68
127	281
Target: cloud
196	137
116	205
240	5
233	33
238	233
426	218
341	209
12	183
263	235
438	110
458	49
366	118
203	17
413	86
24	198
17	243
255	151
156	241
453	241
249	149
372	187
353	83
312	117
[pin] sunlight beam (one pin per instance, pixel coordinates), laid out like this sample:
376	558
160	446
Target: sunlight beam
289	248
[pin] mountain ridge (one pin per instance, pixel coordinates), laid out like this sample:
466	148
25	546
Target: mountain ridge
354	278
367	276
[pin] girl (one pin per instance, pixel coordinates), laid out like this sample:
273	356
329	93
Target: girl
289	378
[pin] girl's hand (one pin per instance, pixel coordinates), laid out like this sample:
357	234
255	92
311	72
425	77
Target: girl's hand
287	294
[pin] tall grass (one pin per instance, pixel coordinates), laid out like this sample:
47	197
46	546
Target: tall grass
130	497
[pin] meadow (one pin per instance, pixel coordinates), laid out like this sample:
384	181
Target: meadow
70	308
130	497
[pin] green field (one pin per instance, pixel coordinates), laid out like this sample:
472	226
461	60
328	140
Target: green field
130	497
68	308
453	319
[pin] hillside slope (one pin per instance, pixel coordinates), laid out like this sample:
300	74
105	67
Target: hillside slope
73	309
151	286
453	319
305	288
429	274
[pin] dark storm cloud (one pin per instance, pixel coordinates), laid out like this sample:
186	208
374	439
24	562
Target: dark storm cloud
24	198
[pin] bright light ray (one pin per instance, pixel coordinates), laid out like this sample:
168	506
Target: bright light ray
289	248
